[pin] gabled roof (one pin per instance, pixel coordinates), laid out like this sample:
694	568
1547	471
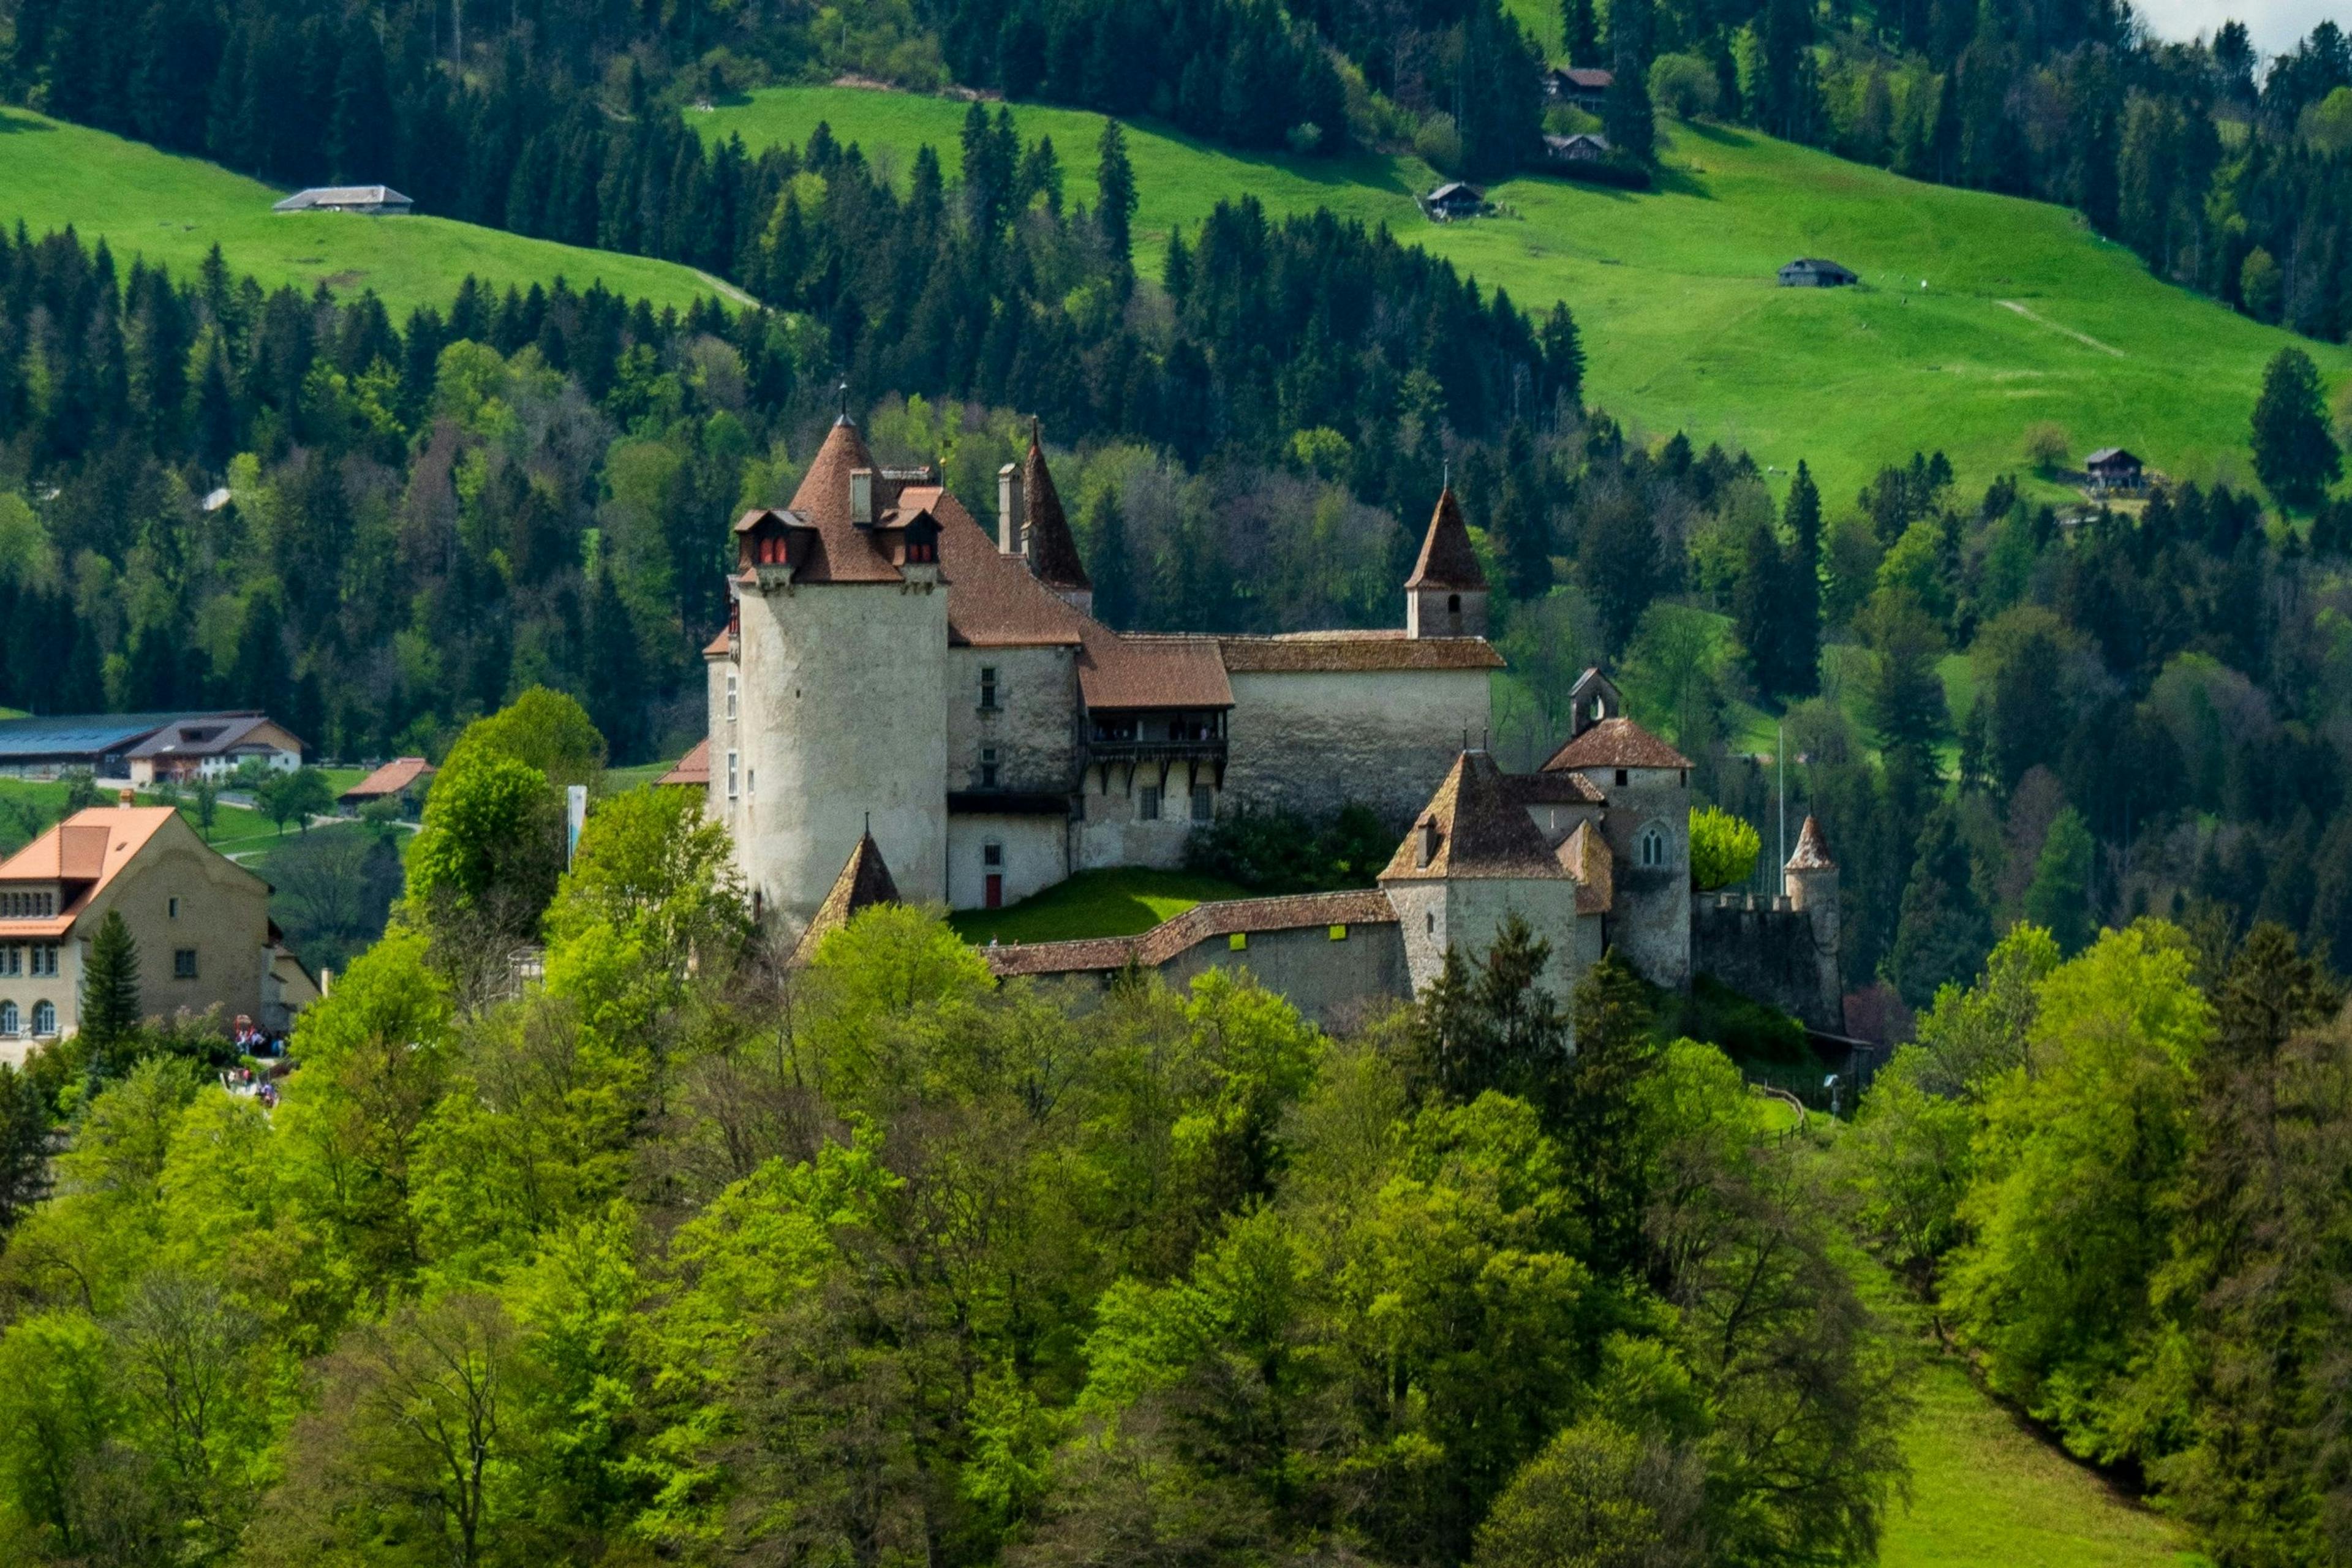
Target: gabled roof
214	734
1133	671
693	769
1552	789
1812	851
2109	454
1615	743
1455	190
1446	559
397	776
1585	76
1480	831
1053	554
992	600
864	881
342	196
85	852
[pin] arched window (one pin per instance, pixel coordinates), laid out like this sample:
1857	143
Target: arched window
1453	604
45	1018
1654	846
7	1018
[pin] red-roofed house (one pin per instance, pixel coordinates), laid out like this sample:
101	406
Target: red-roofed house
403	779
200	922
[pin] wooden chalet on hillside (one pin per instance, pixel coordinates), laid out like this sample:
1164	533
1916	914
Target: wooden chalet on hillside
2112	469
1453	200
1812	272
1579	87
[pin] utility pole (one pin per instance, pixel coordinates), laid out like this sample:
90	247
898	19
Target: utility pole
1780	759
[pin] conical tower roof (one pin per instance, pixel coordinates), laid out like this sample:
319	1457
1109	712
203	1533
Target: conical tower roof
824	494
1053	552
1812	851
1479	833
865	880
1446	559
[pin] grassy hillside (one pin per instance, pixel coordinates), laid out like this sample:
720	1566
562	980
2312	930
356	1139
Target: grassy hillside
2027	315
171	210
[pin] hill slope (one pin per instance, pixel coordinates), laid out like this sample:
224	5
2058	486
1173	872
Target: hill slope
2027	315
171	210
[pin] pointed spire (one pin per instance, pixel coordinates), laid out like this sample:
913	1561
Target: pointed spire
1471	828
1446	559
823	492
864	881
1053	552
1812	852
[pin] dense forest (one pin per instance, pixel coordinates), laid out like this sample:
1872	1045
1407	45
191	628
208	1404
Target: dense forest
562	120
678	1256
2121	1181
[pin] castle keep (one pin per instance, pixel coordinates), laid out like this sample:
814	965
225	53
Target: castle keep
904	707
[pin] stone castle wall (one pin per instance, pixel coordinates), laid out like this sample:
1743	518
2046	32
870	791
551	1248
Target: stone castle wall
1314	741
1772	954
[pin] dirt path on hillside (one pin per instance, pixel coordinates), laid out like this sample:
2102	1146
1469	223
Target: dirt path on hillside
2041	321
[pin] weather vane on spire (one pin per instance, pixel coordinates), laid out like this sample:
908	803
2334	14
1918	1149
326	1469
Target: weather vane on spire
841	400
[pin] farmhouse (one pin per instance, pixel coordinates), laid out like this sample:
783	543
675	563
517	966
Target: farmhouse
212	746
200	920
144	747
1585	147
2112	469
378	199
1578	85
1812	272
1453	200
402	779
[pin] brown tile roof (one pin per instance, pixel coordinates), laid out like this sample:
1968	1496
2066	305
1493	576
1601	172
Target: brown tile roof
720	645
1446	559
1202	922
1552	789
993	601
1141	671
1317	652
1616	743
1585	855
693	769
86	850
864	880
1812	851
1480	831
394	776
827	545
1053	554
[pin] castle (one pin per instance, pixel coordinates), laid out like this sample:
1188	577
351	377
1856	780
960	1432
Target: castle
902	706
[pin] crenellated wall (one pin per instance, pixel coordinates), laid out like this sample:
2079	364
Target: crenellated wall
1764	949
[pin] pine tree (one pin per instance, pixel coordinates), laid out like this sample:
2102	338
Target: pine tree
1112	571
2059	896
1756	611
110	989
1626	113
1943	931
2294	455
1800	609
1577	36
1597	1114
1115	206
1563	360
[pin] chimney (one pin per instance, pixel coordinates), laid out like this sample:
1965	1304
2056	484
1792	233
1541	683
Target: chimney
1010	519
861	497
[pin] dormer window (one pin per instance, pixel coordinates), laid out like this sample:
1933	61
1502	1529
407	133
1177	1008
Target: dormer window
1427	851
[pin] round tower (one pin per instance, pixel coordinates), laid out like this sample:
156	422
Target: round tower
843	712
1810	881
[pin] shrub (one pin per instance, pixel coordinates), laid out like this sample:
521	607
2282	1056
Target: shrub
1280	852
1683	85
2047	445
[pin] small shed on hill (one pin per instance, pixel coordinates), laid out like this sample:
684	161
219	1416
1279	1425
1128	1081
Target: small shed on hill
1453	200
381	199
1580	86
1584	147
2113	469
1812	272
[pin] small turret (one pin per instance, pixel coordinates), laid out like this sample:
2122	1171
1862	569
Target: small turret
1446	594
1810	881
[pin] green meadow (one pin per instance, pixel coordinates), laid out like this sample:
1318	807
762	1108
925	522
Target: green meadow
1978	315
1120	902
171	210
